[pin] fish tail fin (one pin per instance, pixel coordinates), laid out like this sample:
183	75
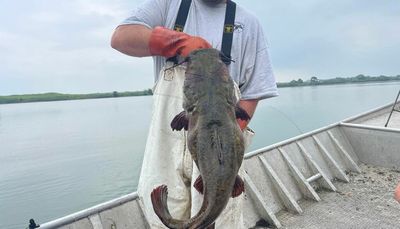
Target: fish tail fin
159	197
159	200
203	219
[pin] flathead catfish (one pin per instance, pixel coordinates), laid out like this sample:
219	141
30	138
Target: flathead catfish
215	140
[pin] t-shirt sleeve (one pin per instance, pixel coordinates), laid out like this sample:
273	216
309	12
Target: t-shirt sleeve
258	81
150	13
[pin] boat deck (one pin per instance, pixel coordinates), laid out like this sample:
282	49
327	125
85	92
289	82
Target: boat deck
365	202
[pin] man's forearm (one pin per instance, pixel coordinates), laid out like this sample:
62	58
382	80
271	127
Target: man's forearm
132	40
249	106
140	41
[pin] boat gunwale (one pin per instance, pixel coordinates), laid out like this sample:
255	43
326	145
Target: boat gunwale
368	127
68	219
313	132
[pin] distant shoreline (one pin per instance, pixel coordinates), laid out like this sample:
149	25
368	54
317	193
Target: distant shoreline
314	81
53	96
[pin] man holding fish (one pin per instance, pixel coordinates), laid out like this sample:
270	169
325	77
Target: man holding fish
169	30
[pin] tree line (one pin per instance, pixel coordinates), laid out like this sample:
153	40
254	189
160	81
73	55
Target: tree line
52	96
313	81
338	80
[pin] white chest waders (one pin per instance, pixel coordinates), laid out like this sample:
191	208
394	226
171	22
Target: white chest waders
168	161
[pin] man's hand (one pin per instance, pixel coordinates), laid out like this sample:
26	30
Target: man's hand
169	43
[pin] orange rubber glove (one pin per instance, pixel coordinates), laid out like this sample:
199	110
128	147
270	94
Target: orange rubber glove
397	193
168	43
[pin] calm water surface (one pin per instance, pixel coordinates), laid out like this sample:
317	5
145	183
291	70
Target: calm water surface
60	157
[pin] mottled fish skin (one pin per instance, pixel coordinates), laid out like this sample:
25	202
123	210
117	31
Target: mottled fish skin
215	140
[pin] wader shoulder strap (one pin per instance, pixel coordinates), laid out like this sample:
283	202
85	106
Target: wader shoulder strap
182	15
229	25
181	21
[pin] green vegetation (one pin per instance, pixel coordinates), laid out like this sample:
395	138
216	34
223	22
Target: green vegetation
338	80
58	96
313	81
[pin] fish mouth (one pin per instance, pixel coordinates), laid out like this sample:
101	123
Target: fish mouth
205	63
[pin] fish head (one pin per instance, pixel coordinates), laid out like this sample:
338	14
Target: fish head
206	63
207	76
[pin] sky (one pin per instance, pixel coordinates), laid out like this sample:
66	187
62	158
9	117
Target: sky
64	46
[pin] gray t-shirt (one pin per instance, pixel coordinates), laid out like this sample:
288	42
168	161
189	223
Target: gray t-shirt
251	70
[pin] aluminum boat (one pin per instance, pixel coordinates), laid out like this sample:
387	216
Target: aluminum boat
340	176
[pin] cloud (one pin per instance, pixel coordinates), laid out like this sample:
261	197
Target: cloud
112	9
331	38
66	48
64	45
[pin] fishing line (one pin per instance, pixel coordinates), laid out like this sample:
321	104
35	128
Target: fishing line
288	118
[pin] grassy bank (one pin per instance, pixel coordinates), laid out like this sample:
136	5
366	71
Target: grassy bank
58	96
314	81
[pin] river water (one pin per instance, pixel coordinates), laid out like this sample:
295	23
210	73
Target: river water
60	157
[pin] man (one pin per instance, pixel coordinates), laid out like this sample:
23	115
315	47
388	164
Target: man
148	32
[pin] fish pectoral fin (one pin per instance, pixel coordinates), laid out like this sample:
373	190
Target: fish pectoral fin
241	113
238	187
198	184
180	121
